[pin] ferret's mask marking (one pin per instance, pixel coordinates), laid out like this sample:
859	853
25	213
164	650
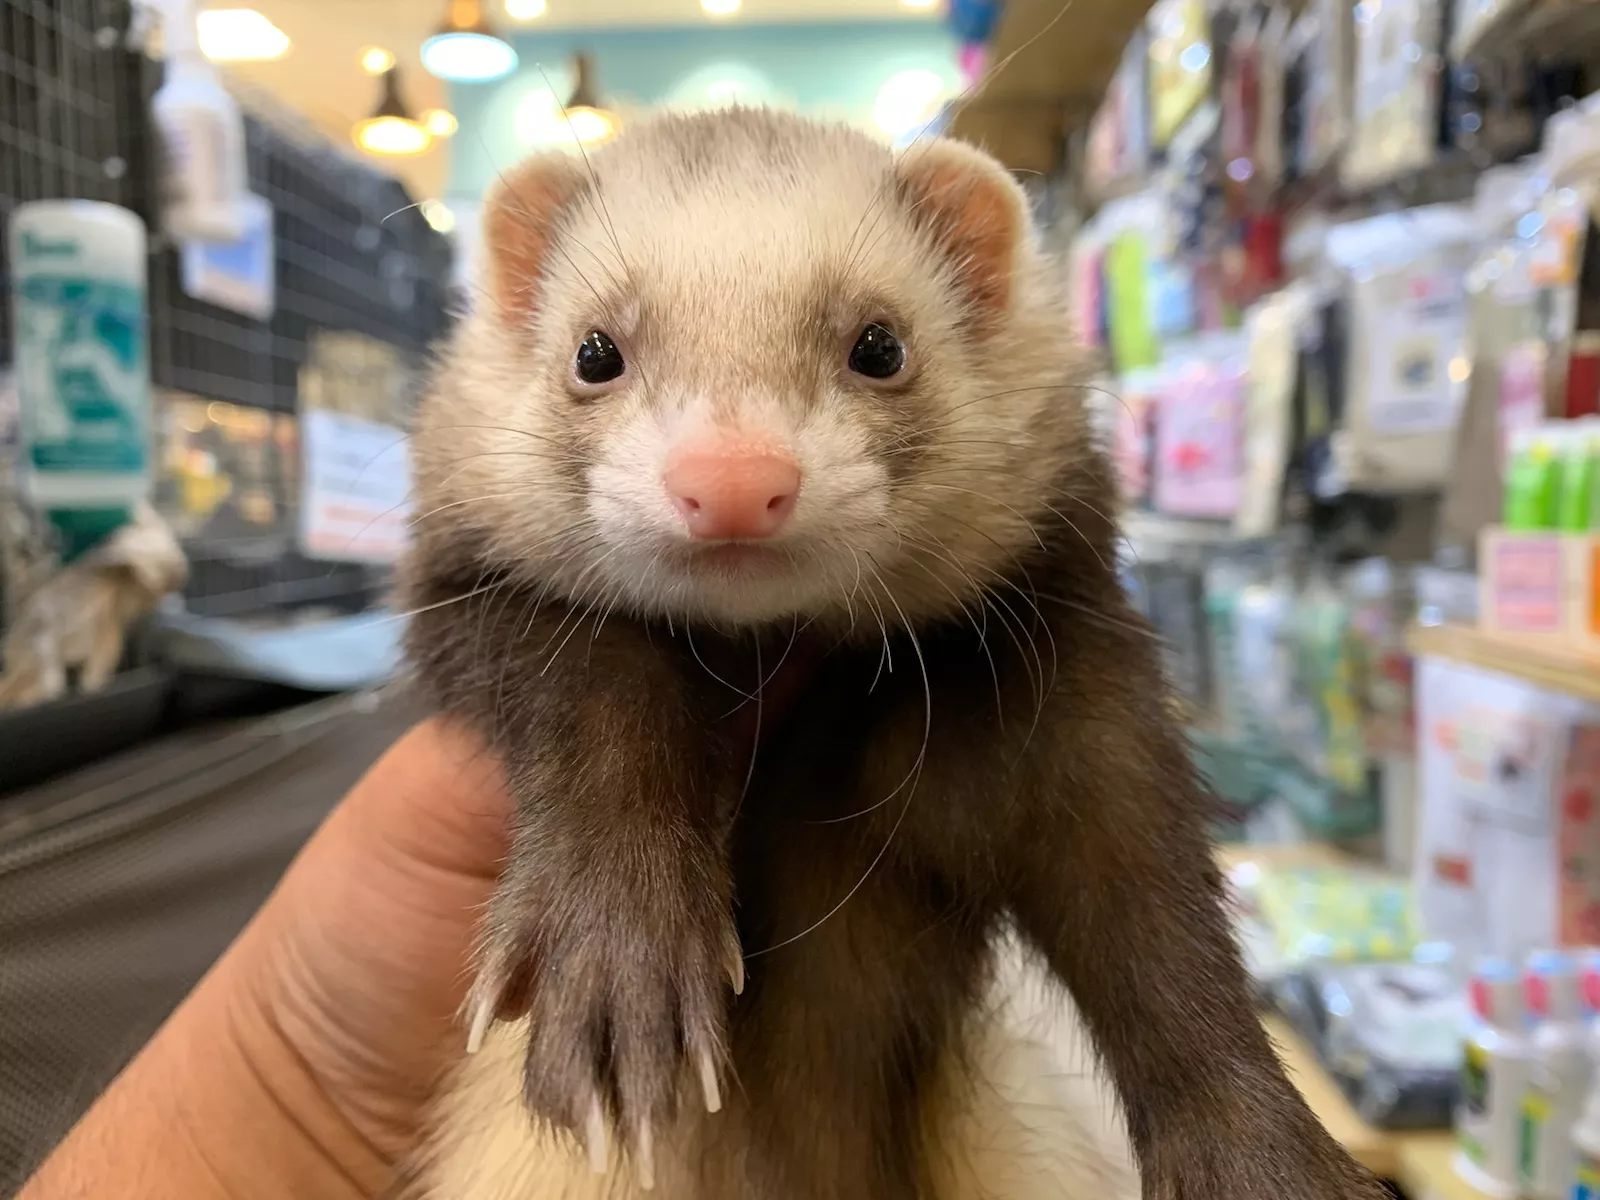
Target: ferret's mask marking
877	322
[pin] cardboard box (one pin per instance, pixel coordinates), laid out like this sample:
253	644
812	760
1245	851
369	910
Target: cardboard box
1540	582
1507	856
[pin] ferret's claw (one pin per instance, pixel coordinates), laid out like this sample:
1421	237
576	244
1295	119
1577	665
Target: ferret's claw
708	1082
736	967
645	1158
596	1139
482	1015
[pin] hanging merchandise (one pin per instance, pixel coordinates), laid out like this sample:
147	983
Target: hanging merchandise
1119	136
1477	21
1199	428
1395	98
202	133
1326	733
1275	329
1180	65
1320	76
1499	316
1268	151
1565	263
1137	235
1406	280
1134	413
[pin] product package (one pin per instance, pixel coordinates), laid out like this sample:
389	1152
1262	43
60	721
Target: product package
1407	367
1508	842
1275	329
1505	382
1180	65
1389	1034
1199	429
1395	97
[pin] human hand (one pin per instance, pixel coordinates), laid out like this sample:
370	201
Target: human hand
304	1063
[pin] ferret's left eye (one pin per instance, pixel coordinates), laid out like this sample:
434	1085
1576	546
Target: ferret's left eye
598	360
877	353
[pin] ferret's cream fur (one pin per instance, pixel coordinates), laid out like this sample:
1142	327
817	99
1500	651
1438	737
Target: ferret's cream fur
1026	1117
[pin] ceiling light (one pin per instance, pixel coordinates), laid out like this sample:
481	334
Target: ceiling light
525	10
907	100
588	119
391	129
441	122
375	60
466	48
720	8
438	214
239	35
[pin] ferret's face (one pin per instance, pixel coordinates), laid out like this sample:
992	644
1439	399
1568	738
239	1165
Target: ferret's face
736	376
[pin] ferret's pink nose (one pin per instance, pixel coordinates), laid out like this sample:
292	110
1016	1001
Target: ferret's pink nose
732	491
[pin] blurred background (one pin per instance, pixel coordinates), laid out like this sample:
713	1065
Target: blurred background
1339	269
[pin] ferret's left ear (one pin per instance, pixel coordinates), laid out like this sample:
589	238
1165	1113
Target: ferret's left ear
976	212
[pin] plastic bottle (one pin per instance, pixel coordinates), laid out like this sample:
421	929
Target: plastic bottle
1533	477
82	364
1559	1076
202	133
1494	1073
1585	1183
1580	459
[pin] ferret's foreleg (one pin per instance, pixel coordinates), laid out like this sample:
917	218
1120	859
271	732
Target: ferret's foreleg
612	929
1111	875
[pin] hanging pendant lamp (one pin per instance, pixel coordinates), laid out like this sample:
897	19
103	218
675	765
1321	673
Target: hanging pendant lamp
392	128
466	49
588	118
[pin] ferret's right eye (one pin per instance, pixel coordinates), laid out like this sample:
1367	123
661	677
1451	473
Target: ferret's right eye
598	360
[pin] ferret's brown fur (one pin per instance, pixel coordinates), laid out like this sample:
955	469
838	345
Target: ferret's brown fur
974	735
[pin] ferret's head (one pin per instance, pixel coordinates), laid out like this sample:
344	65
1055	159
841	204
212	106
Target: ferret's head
745	368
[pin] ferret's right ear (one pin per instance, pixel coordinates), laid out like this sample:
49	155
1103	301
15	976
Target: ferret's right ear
519	224
975	210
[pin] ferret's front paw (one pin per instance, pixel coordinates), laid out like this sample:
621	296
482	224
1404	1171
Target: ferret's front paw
627	995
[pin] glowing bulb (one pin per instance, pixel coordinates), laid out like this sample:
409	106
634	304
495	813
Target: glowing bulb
439	215
906	100
469	57
590	125
525	10
720	8
239	35
392	135
441	122
375	60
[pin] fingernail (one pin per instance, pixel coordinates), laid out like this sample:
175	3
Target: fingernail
596	1139
481	1016
647	1158
708	1082
736	968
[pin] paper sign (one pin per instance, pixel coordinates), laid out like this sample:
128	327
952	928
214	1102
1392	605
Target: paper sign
355	495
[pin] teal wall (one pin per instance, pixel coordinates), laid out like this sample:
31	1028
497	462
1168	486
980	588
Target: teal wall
828	69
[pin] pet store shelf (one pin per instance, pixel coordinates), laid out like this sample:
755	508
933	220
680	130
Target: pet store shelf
1426	1174
1545	660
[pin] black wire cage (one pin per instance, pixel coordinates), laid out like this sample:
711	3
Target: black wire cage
355	262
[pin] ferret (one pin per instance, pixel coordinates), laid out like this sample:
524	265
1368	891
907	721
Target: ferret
762	529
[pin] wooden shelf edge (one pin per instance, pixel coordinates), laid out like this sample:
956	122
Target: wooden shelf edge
1546	661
